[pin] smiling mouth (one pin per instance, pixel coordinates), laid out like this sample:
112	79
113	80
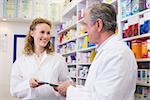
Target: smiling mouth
45	41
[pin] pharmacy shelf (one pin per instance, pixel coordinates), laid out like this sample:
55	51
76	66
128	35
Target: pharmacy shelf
73	39
137	14
143	84
121	26
71	64
139	96
71	6
87	49
69	53
82	35
84	78
23	20
70	9
81	20
137	37
73	9
73	26
109	1
143	60
84	63
15	20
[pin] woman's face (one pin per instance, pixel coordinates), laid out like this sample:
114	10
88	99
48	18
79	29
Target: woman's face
41	35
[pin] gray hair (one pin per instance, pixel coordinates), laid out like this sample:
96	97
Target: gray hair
106	13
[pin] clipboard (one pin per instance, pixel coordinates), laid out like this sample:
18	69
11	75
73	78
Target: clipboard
50	84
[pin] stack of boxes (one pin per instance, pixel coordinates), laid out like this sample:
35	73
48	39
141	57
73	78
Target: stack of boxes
144	73
83	71
130	7
138	26
142	93
86	57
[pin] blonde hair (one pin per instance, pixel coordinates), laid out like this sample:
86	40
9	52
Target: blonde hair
29	41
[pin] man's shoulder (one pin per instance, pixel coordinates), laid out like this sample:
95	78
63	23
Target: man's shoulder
117	48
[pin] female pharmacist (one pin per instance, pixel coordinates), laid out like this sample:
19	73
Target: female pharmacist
39	63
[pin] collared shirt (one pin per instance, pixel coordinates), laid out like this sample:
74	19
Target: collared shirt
98	47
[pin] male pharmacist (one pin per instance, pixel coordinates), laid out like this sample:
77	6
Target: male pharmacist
112	74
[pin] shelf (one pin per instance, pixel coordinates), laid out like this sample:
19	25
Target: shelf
139	95
84	63
136	37
84	78
22	20
66	29
15	20
87	49
137	14
71	26
82	35
70	9
108	1
71	64
81	20
143	60
67	41
64	54
143	84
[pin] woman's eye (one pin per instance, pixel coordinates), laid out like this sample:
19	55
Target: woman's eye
48	32
42	32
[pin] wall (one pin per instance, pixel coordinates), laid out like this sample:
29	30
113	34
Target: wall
6	58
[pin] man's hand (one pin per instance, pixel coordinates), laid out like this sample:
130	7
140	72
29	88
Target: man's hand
62	88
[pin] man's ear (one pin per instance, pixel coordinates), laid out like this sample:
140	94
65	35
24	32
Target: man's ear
99	25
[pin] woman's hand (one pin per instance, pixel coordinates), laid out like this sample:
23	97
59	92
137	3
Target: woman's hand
33	83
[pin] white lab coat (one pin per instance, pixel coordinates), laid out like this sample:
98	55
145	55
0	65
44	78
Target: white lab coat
52	69
112	74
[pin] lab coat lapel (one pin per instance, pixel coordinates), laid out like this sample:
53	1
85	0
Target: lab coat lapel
44	58
94	66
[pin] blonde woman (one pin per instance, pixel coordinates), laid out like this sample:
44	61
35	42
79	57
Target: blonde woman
39	63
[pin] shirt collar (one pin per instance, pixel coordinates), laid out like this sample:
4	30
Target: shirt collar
40	55
106	43
40	58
